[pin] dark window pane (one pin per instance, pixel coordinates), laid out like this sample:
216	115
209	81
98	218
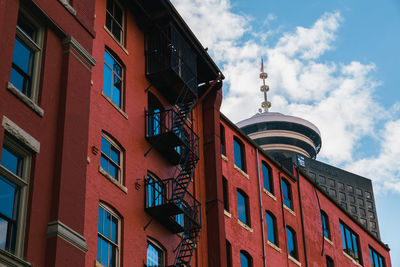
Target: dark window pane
107	225
238	153
266	177
22	56
287	198
116	31
114	229
242	212
118	14
108	21
11	161
244	261
26	27
110	6
271	228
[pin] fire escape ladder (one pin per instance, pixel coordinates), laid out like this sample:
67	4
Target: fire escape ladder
186	247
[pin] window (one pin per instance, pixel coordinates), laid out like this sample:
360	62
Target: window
267	177
108	238
26	58
225	193
115	20
239	155
292	242
222	137
228	254
329	262
287	194
111	158
155	191
14	179
112	80
325	224
156	109
245	259
376	259
271	228
243	207
350	242
155	255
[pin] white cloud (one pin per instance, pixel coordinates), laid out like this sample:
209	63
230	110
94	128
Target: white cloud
338	97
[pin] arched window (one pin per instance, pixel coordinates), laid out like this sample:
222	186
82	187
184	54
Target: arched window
243	207
108	237
113	78
325	224
245	259
111	158
292	242
240	157
287	194
155	254
267	177
272	233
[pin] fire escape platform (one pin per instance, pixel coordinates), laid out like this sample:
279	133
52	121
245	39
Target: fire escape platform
165	143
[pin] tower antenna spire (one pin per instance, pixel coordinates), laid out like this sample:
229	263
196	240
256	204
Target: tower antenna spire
264	88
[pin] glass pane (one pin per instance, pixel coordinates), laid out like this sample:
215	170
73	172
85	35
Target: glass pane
108	59
114	229
266	178
348	239
116	31
244	261
104	252
7	198
118	14
355	243
104	163
3	233
115	154
111	256
153	255
112	170
100	223
117	68
290	241
270	228
116	96
105	146
343	236
22	56
110	6
17	79
11	161
107	81
108	21
98	249
381	262
107	225
376	259
241	207
237	154
26	27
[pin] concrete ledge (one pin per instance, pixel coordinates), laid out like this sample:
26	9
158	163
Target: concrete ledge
274	246
72	42
57	228
227	213
111	179
241	171
29	102
328	240
269	194
350	258
294	260
224	158
115	106
20	134
245	226
10	260
289	210
66	4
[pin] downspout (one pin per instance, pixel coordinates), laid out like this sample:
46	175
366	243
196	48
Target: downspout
283	216
301	217
261	210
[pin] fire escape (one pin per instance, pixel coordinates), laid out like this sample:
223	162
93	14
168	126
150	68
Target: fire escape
171	67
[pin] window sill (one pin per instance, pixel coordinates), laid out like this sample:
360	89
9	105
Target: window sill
227	214
68	7
294	260
353	260
29	102
289	210
274	246
119	185
224	158
115	106
11	260
118	43
241	171
328	240
245	226
269	194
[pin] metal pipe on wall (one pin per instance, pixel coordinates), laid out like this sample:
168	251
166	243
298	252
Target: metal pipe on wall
261	210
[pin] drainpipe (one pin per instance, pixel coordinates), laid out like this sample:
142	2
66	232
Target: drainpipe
283	217
301	217
261	211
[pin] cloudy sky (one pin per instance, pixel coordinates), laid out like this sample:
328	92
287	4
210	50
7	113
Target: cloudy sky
334	63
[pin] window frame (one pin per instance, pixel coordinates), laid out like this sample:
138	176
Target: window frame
247	256
246	206
242	151
113	143
222	138
289	198
354	241
23	183
121	77
155	244
118	245
379	257
265	166
274	228
36	46
295	255
113	20
325	224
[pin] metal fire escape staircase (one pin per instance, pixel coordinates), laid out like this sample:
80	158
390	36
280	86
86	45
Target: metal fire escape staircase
169	200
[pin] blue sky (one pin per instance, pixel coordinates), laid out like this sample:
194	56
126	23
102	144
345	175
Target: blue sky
335	63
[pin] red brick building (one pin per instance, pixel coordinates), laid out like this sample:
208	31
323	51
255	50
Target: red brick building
111	150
